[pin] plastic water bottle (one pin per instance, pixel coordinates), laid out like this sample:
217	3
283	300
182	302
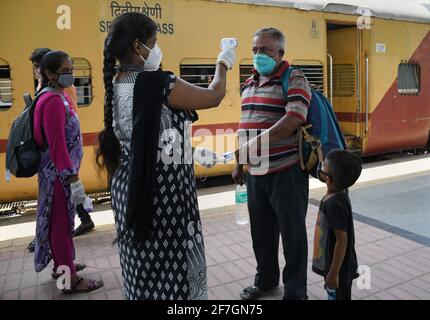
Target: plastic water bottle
331	293
7	175
242	215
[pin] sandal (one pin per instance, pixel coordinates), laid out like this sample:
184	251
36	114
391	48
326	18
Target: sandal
92	285
78	267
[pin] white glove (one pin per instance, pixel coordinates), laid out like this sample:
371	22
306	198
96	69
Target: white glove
77	192
227	58
205	157
88	204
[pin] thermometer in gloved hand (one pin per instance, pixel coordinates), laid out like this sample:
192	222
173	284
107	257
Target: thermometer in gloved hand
228	43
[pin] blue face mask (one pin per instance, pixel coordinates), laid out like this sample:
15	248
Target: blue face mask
264	64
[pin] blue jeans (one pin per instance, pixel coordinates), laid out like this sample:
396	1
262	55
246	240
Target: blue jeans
278	205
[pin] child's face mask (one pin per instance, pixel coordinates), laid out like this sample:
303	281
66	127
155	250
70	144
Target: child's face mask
322	175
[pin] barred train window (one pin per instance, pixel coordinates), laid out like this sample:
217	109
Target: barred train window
314	73
83	81
245	70
408	79
343	80
196	72
5	86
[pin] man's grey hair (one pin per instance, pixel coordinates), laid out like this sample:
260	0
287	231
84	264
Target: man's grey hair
274	33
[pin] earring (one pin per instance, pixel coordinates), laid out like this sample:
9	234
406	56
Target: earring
51	83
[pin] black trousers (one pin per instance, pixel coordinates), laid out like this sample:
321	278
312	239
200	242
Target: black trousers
277	206
83	215
344	290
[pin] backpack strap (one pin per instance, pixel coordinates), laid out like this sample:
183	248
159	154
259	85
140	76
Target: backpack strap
324	119
66	106
285	79
302	133
332	117
63	98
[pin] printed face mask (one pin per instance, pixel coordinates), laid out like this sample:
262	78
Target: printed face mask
264	64
152	63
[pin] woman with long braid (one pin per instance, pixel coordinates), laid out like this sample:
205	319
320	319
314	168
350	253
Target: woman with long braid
149	162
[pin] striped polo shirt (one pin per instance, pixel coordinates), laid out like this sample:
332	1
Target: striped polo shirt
265	104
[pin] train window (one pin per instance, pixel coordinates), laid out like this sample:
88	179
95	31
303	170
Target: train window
83	81
314	73
5	86
199	72
343	80
408	78
245	71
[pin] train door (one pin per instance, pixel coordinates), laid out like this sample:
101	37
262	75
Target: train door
345	79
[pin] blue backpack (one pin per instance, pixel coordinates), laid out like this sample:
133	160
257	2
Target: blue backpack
320	134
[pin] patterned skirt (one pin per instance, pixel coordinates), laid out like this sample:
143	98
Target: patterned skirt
172	265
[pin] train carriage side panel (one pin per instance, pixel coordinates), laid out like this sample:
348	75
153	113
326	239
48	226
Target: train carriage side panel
398	121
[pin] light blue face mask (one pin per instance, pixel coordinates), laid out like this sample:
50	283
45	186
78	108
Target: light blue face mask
264	64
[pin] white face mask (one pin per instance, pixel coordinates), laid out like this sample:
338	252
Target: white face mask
152	63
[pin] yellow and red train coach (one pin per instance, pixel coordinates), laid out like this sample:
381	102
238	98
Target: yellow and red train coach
371	59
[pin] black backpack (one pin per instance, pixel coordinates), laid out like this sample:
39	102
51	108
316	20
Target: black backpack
23	155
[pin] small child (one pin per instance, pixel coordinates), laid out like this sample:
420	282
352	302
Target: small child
334	255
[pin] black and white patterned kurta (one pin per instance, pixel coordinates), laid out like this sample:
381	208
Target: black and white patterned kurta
172	264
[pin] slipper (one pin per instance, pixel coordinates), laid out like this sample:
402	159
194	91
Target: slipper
78	267
92	285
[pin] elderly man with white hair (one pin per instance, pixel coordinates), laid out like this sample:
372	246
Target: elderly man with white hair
277	187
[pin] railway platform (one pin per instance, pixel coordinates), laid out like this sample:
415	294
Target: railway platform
392	226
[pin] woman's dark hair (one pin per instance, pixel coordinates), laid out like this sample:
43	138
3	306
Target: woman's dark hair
124	30
345	168
51	61
38	54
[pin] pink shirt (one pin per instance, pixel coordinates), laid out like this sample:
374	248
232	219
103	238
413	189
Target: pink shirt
51	110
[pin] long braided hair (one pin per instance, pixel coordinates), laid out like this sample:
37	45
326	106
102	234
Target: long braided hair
125	29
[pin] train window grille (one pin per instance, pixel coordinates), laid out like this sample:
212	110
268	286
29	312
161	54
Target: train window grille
198	74
5	86
314	74
83	81
343	80
408	78
245	71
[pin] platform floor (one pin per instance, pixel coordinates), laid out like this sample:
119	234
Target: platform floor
400	268
392	223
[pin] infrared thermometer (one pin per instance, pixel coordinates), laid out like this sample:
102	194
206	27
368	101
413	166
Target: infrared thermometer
228	43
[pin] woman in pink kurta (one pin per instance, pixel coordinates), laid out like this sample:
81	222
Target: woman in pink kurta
57	132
